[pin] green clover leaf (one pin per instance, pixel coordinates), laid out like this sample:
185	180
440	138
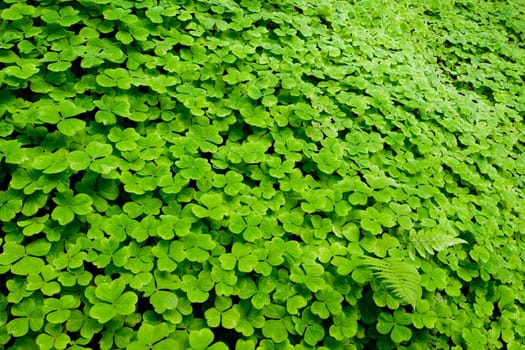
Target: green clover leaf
372	220
113	301
143	205
223	313
53	338
257	116
396	325
150	336
109	107
242	344
19	259
385	323
400	334
59	310
424	316
112	77
10	204
13	152
35	225
207	137
164	300
71	126
18	327
17	11
30	317
23	70
96	150
295	303
314	334
200	339
193	168
197	289
69	205
275	330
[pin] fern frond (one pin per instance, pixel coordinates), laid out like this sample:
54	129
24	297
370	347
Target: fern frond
430	241
400	277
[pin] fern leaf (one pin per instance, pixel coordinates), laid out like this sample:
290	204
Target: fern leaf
430	241
400	277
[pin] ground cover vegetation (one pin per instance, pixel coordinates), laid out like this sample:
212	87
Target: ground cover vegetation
281	174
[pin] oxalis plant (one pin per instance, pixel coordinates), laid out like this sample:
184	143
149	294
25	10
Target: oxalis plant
269	175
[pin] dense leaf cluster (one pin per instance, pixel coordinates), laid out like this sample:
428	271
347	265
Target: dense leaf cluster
262	174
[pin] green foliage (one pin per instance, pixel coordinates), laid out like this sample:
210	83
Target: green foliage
68	205
399	275
428	242
111	300
262	174
200	339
